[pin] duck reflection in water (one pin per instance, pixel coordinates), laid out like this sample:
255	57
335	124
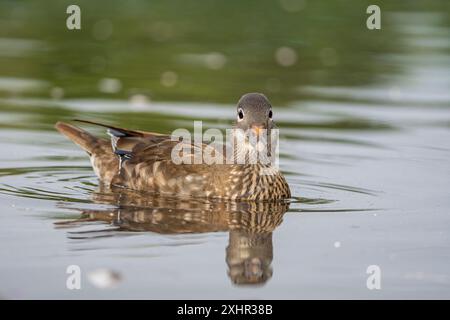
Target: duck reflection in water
249	253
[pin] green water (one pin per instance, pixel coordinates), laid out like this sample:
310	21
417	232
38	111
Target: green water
364	120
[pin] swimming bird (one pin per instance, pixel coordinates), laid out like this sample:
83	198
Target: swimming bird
144	161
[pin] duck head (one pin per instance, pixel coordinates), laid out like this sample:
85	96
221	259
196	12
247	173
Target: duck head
254	124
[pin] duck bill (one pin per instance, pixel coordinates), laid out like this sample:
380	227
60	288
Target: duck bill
258	130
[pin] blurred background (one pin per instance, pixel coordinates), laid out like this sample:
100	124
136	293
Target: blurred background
364	118
205	50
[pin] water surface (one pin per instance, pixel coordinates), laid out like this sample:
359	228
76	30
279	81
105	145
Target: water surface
365	127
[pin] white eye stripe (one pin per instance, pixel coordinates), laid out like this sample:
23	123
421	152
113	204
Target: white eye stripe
240	114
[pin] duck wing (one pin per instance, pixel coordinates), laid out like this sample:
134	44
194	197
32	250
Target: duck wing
144	161
151	166
125	139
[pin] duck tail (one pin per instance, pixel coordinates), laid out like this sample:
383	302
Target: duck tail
81	137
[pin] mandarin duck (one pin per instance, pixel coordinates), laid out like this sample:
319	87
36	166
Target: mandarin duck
143	161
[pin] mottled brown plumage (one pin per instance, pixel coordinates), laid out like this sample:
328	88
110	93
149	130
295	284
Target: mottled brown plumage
142	161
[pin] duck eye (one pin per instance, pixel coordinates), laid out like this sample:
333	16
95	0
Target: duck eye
270	114
241	114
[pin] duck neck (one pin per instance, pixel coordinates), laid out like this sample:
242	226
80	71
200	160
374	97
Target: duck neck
248	153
